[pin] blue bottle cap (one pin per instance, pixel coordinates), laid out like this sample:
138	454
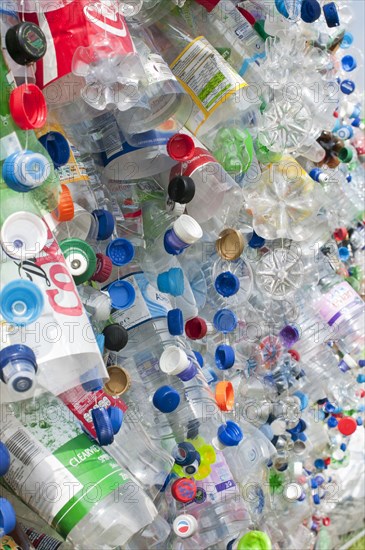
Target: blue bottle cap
356	122
199	358
347	86
21	302
345	132
332	422
25	170
4	459
256	241
303	397
316	499
89	380
314	484
348	63
171	281
166	399
360	378
184	454
347	40
116	418
361	363
310	11
359	421
356	112
319	463
299	428
281	7
331	15
120	251
57	147
7	517
225	320
122	294
106	227
103	426
224	357
17	352
175	322
100	340
328	407
230	434
227	284
343	253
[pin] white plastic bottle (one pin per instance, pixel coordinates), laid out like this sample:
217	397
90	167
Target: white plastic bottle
62	330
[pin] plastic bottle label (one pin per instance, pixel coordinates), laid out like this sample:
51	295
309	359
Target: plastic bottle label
64	476
217	488
41	541
337	302
81	404
8	145
206	78
74	171
78	25
62	331
149	303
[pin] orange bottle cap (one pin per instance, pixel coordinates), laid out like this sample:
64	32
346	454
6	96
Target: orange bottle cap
65	210
224	395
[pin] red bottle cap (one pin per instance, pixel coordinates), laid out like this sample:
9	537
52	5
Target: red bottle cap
295	355
183	489
180	147
347	425
326	521
340	234
196	328
28	107
103	269
327	461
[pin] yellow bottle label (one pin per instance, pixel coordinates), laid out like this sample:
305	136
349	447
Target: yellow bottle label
206	77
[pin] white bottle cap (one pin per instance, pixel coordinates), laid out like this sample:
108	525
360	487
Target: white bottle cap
278	427
77	263
187	229
175	208
173	360
23	235
185	526
293	491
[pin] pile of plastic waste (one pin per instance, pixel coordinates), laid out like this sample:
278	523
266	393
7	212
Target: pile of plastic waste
182	275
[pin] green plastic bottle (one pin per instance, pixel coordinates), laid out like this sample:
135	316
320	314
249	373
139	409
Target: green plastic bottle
41	199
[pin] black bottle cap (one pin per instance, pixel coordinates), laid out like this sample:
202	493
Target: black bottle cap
26	43
181	189
116	337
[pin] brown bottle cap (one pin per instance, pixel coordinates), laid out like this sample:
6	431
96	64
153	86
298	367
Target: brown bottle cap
229	244
119	381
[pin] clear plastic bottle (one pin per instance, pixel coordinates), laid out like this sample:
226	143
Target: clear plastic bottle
226	99
50	453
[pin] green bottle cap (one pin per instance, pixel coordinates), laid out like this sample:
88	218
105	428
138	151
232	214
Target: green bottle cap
80	258
254	540
345	154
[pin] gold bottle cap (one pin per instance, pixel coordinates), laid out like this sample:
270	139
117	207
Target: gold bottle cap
119	381
229	244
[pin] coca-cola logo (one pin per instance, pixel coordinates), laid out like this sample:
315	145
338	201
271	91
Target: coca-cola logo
105	17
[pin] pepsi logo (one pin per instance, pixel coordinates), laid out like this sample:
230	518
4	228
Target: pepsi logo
182	526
